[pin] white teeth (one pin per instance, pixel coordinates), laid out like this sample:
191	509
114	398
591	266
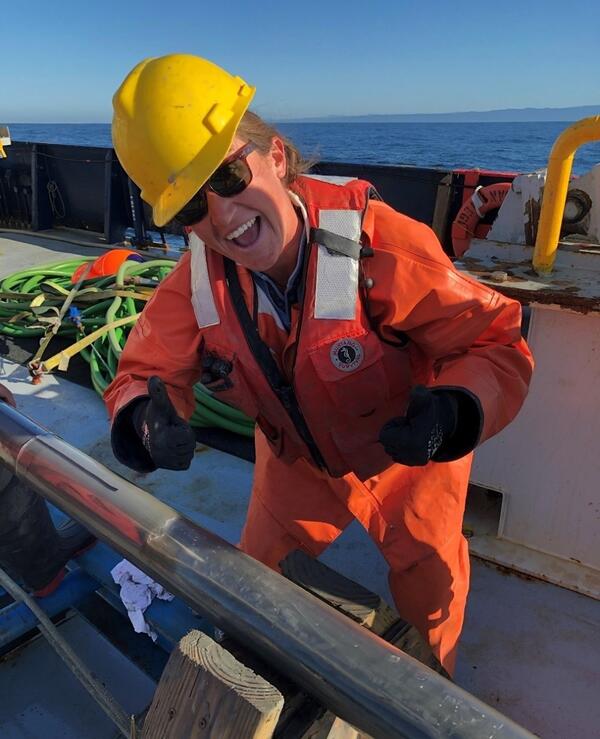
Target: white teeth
241	229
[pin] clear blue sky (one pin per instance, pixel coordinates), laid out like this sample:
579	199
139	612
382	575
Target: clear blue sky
62	61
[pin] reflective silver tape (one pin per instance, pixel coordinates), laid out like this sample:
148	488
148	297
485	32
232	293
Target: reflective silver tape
333	179
203	299
337	275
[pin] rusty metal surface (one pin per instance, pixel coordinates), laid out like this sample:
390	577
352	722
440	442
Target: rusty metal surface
574	283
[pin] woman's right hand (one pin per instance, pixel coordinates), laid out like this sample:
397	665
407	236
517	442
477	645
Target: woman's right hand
169	440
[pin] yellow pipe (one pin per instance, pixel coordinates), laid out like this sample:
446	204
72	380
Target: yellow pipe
555	190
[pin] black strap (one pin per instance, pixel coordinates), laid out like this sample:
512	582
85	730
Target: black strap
264	358
336	243
339	244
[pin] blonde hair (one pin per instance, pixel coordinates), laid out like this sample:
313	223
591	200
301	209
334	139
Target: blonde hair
253	129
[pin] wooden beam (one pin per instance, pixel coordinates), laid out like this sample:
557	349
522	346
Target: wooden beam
360	604
347	596
332	727
204	692
341	730
364	607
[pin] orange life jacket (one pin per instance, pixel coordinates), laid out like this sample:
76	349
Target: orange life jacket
324	391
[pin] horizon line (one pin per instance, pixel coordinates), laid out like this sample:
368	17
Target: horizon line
364	117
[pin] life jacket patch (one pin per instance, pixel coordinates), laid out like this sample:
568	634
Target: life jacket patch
347	354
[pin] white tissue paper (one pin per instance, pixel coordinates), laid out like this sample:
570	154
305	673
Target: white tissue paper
137	592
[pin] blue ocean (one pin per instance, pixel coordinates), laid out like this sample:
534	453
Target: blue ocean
511	147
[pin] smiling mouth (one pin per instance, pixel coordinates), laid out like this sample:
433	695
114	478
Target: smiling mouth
246	234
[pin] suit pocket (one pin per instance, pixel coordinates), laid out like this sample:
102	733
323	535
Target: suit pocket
351	371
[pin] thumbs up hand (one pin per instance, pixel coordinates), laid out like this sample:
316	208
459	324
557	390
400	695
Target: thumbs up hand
430	421
167	438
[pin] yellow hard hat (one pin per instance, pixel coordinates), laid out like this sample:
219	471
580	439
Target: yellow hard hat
174	120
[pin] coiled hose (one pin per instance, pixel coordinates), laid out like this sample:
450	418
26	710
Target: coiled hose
30	300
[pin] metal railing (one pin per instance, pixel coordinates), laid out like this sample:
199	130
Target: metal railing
361	678
554	199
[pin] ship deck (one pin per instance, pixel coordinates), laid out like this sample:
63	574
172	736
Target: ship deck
529	648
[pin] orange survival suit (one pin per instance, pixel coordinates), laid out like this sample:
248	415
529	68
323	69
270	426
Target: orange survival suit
382	309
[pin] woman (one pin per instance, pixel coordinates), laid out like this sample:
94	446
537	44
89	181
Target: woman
372	367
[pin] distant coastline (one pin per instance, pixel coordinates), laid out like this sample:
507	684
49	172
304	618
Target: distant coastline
504	115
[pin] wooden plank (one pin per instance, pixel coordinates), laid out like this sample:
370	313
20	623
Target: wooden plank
341	730
330	726
347	596
299	712
409	640
367	609
360	604
205	692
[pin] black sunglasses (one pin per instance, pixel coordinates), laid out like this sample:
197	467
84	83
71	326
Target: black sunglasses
231	178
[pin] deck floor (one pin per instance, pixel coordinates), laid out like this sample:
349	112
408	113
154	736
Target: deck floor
530	649
42	698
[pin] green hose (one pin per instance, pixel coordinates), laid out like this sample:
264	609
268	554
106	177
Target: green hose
19	318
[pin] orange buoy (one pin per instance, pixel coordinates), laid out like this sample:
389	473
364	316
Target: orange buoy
467	223
105	265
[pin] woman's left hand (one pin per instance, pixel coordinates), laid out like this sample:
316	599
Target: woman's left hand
430	420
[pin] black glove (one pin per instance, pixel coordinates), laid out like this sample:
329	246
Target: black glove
167	438
431	420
